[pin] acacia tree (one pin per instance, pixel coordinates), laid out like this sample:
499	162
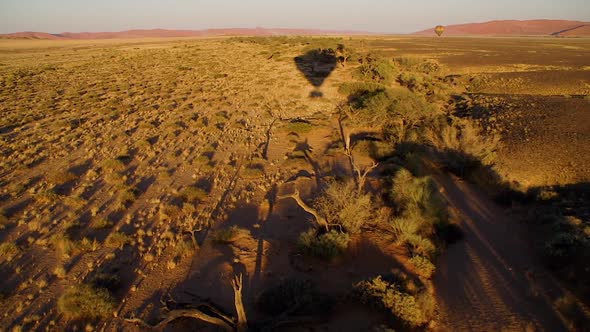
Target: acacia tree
347	115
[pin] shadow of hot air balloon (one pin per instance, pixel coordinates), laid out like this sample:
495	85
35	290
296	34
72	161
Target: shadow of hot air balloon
316	65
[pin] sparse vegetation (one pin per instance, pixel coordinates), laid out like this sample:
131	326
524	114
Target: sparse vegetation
124	158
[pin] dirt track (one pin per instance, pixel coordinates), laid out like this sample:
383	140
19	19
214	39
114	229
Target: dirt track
490	281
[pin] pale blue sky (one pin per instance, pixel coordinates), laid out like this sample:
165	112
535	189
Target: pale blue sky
368	15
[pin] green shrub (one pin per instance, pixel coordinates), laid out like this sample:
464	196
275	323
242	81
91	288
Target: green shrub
85	302
418	199
323	245
462	141
389	296
423	266
378	70
344	205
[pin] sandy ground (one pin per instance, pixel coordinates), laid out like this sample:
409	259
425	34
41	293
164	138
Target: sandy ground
491	281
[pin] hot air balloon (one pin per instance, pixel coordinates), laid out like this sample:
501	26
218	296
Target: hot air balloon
439	30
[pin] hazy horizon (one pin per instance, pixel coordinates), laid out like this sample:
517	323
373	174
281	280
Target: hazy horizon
402	16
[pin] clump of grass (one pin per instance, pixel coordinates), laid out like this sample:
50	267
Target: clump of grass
75	202
299	126
194	194
86	302
113	165
47	197
323	245
126	197
253	171
229	234
87	245
8	250
118	240
100	223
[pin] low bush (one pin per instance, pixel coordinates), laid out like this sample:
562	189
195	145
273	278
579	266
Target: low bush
377	69
344	205
461	144
86	302
418	199
390	296
323	245
423	266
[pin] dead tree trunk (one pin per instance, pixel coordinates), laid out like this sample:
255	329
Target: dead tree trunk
242	323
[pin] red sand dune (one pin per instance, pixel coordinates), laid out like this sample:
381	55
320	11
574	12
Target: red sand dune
156	33
516	28
30	35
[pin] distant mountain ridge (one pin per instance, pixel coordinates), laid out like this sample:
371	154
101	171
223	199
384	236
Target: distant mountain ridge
559	28
516	28
156	33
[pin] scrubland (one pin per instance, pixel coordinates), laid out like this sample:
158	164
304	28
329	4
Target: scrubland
293	183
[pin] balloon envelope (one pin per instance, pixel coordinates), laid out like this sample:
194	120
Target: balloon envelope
439	30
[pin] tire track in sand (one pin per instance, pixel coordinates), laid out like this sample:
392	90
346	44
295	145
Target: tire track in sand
483	282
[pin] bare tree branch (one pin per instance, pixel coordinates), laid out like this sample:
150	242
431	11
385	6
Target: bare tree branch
182	313
321	221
